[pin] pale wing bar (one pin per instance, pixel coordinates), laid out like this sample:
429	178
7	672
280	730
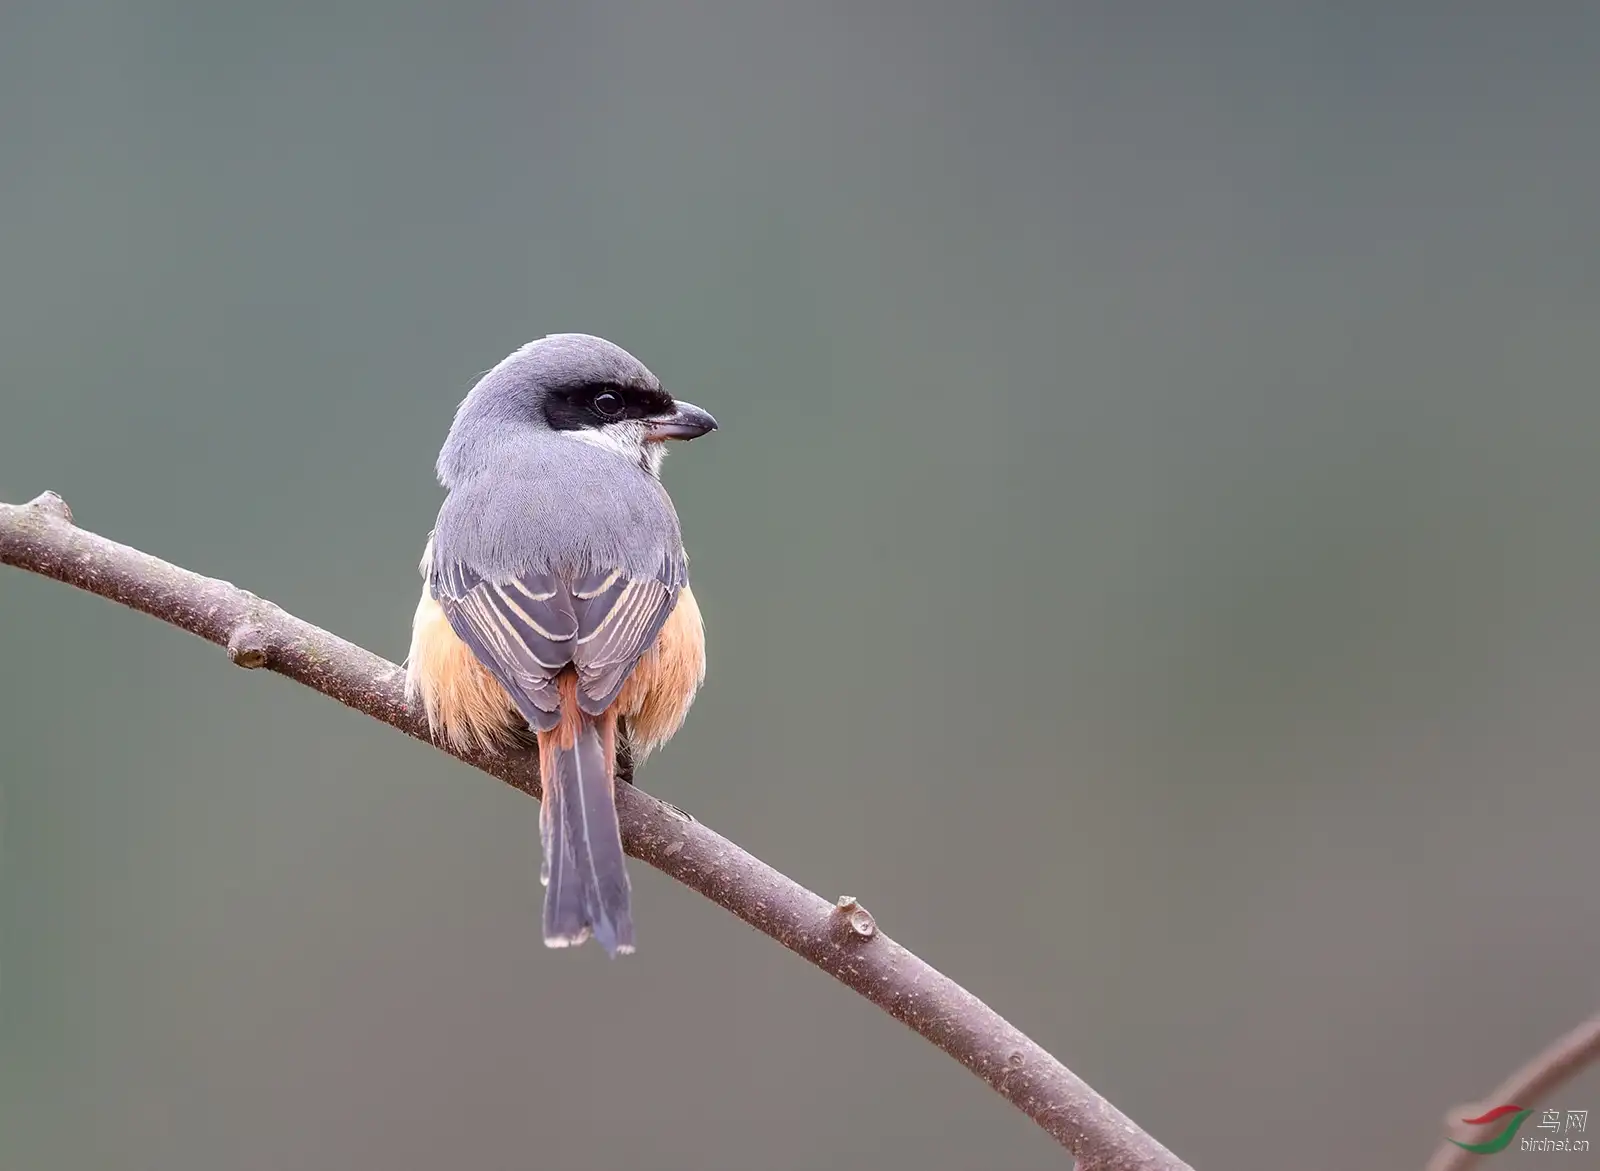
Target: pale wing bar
527	629
521	630
620	618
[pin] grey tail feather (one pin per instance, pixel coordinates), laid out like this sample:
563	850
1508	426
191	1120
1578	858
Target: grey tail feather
586	879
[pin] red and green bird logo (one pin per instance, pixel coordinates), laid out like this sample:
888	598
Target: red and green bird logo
1517	1115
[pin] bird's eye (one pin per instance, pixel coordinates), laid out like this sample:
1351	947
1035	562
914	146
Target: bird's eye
608	403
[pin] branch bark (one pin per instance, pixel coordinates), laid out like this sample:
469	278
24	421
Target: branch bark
1564	1059
840	938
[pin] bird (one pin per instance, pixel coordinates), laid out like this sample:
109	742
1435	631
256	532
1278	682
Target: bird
556	601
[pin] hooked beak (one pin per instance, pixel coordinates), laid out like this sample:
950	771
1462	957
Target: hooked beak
687	421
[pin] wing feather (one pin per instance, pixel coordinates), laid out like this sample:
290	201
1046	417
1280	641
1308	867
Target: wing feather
526	629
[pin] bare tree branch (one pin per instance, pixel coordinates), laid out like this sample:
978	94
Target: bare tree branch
840	938
1562	1061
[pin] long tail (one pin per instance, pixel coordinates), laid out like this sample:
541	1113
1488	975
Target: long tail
585	876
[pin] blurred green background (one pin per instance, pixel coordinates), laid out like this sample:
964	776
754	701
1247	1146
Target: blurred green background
1149	556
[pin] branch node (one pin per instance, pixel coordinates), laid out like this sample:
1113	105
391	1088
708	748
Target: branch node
856	918
51	504
680	814
247	646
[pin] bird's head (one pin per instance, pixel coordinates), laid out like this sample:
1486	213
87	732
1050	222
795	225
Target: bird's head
581	388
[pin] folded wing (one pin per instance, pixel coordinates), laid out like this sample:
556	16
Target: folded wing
528	627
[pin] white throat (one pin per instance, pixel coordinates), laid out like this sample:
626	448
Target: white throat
626	439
